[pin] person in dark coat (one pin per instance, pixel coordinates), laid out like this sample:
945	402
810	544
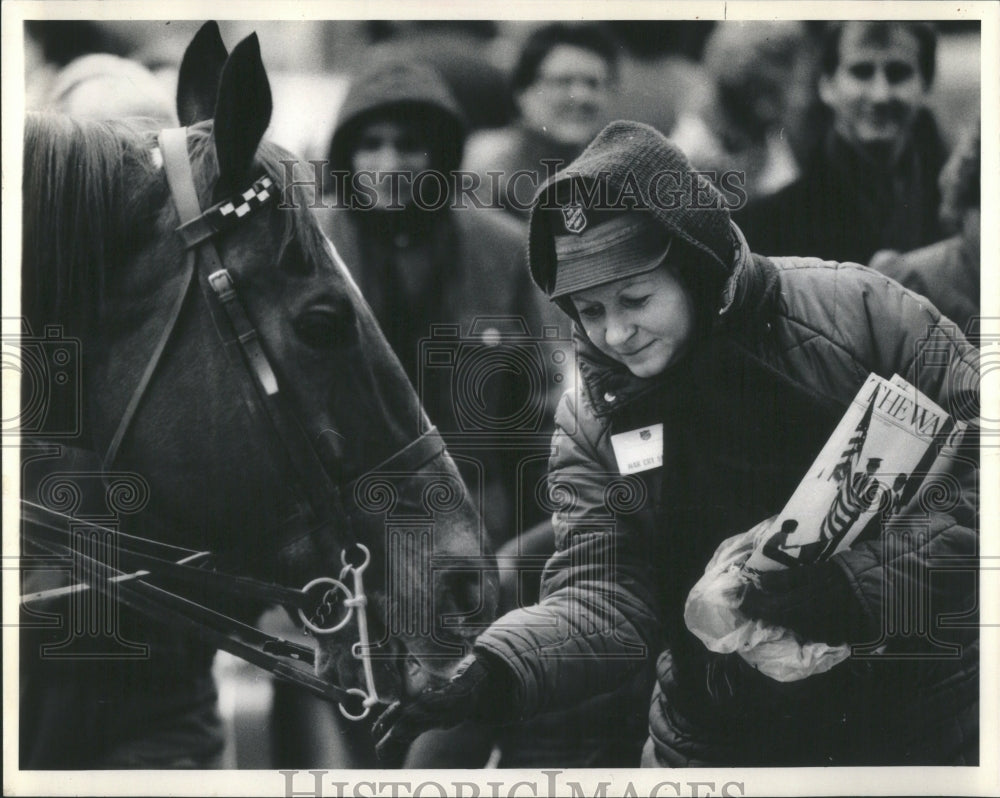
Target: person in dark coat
449	287
742	366
873	184
426	260
948	272
562	85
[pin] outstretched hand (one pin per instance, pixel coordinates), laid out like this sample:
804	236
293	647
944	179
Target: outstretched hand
814	601
475	692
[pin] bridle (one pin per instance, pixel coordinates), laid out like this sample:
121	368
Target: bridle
317	602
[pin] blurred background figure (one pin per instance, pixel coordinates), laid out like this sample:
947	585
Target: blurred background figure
737	121
420	262
106	86
948	272
873	184
460	51
562	83
50	45
421	265
659	70
650	70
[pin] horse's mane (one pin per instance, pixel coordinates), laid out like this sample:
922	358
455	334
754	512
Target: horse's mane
93	195
87	187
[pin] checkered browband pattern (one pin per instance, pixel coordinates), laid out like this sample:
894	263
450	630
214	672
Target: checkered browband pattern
237	207
224	215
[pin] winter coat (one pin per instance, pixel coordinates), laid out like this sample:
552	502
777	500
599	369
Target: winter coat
451	293
947	273
744	414
743	418
845	207
523	158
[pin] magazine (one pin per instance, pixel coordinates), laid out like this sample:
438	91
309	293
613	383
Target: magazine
866	466
872	464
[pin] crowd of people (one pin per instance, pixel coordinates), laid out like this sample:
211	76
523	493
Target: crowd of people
819	228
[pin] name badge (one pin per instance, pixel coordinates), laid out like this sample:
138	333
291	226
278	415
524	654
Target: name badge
639	449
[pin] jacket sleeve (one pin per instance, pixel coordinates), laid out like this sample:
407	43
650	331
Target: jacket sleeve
595	625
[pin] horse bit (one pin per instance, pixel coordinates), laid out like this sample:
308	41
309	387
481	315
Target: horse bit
354	601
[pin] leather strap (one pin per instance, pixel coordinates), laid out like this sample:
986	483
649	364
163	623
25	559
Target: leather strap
322	495
225	291
410	458
220	631
151	364
174	142
162	560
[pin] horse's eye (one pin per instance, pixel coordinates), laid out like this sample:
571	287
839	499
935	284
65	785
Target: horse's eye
326	327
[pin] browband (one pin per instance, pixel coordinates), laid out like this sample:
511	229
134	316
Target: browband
224	215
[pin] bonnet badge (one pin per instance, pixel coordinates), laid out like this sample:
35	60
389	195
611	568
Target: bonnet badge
574	218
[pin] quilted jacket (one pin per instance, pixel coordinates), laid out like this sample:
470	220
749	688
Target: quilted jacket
744	415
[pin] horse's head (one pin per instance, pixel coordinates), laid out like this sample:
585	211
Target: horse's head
280	458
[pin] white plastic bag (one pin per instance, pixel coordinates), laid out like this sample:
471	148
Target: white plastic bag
712	614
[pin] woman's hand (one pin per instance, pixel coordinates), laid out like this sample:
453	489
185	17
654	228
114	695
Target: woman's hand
814	601
480	690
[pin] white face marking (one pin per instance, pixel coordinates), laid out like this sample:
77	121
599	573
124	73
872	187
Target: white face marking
156	157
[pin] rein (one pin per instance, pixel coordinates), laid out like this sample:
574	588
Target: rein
317	602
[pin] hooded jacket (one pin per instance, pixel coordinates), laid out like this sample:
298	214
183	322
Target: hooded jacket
402	90
744	414
947	273
452	280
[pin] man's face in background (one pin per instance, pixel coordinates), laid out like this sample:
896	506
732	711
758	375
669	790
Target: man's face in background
877	88
569	97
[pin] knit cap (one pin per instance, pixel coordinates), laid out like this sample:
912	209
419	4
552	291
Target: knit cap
631	166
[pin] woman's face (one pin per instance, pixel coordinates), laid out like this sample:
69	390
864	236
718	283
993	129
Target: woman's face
644	322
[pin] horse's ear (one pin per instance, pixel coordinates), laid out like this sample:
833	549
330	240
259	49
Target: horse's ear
198	77
242	114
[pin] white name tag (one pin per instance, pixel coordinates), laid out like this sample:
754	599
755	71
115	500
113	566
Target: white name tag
639	449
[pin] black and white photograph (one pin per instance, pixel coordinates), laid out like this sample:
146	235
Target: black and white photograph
477	399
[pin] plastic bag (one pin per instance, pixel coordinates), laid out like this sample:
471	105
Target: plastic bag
712	613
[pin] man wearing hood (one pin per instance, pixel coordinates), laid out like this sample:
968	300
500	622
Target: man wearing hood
742	366
424	258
